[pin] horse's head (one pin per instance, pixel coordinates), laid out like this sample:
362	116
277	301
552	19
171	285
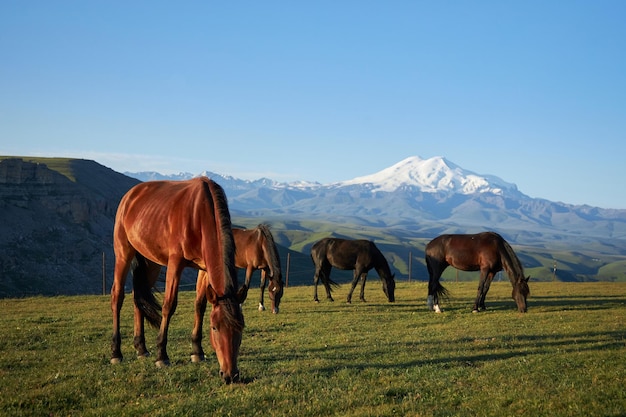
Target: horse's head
226	329
520	293
389	288
275	289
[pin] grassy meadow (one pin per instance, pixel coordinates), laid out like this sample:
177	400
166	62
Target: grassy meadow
565	357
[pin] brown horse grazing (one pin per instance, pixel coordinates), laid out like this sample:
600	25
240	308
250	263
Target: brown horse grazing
178	224
357	255
486	252
255	249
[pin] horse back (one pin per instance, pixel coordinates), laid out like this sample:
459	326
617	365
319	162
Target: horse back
468	252
347	254
160	219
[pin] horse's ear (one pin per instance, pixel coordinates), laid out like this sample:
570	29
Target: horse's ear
242	294
527	279
211	295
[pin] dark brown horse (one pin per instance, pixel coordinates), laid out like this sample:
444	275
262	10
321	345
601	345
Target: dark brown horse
178	224
255	249
357	255
486	252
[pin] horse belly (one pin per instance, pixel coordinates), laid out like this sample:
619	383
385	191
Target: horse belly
463	263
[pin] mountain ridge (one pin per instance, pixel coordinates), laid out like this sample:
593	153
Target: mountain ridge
420	192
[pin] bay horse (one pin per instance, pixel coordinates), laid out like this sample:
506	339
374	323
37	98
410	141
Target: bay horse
255	249
178	224
486	252
358	255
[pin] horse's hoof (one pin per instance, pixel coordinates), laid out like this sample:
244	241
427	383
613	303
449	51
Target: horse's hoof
162	364
196	358
275	310
475	311
115	361
143	355
261	307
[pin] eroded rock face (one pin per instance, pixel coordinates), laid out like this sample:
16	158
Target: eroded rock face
55	230
15	171
23	183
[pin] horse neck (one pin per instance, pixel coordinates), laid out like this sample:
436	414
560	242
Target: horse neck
224	239
271	253
511	263
382	268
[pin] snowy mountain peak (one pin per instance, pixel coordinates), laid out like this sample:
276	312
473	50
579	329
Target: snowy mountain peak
431	175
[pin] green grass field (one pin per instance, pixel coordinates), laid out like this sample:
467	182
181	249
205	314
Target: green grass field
565	357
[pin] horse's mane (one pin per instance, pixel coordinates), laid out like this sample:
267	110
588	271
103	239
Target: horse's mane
232	310
511	262
272	251
382	264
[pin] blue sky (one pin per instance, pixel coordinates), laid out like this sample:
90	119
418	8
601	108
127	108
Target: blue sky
531	91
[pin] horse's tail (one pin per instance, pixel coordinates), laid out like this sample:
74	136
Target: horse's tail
434	283
143	293
270	252
326	279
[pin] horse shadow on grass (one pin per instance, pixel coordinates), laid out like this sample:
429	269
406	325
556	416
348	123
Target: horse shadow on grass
550	303
520	347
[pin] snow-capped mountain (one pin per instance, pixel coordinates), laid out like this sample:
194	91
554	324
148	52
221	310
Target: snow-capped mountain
431	176
425	194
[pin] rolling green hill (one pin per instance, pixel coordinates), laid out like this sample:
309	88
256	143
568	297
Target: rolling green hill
57	222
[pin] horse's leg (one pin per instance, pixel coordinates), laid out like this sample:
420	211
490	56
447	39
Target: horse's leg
249	271
355	280
123	258
326	268
197	353
480	294
435	269
481	304
170	301
152	271
263	282
363	279
316	278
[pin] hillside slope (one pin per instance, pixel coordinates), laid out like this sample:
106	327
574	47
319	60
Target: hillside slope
57	222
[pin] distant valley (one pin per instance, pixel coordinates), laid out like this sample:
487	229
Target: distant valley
58	214
413	201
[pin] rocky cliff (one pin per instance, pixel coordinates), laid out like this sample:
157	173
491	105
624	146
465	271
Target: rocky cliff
56	225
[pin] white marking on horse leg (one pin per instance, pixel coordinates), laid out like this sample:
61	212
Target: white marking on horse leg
437	309
197	358
261	307
162	364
